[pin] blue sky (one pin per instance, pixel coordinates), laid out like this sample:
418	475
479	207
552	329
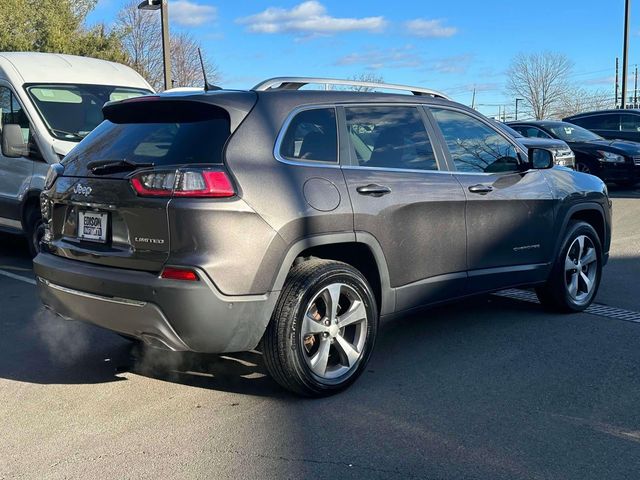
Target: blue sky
451	46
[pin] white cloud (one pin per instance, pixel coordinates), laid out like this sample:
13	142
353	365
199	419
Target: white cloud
191	14
309	18
375	59
421	27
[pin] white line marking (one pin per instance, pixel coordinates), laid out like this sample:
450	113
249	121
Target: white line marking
18	277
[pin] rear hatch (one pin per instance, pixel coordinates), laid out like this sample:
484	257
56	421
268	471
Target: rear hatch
109	204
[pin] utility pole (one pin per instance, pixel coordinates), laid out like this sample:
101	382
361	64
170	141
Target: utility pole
635	90
473	99
625	52
617	80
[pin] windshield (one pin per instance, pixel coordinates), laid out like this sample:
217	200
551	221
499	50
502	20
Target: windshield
70	112
572	133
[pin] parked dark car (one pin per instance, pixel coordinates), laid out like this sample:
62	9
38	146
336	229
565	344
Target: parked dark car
612	124
563	156
612	160
293	220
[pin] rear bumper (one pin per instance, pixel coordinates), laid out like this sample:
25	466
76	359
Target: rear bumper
172	314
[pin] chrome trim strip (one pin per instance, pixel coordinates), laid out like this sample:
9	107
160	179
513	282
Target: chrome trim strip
7	222
92	296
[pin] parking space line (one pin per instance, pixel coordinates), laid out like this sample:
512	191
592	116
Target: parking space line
595	309
30	281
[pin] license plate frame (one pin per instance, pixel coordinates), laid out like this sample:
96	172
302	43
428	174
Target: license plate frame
96	231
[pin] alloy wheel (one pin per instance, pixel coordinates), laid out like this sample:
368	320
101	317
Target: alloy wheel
582	167
334	331
581	269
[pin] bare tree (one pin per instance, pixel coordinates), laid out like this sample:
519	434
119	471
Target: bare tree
541	79
365	77
578	100
142	40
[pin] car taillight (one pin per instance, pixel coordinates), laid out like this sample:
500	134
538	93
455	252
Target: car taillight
174	273
183	183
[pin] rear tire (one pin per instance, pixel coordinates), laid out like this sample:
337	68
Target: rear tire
576	273
34	229
322	330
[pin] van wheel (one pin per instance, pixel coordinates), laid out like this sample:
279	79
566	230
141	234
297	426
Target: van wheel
322	330
576	274
35	230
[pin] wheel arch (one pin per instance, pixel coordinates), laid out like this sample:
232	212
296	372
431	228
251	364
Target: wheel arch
360	250
591	213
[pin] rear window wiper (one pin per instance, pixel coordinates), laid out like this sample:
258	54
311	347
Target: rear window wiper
101	167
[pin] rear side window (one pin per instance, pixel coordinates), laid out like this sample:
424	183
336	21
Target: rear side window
390	137
610	121
473	145
630	122
312	136
174	133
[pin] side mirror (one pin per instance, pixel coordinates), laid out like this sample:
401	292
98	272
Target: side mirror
540	158
13	145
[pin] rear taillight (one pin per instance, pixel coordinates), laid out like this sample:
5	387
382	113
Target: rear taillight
175	273
183	183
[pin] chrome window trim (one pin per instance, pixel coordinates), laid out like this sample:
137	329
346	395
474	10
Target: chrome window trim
285	127
388	169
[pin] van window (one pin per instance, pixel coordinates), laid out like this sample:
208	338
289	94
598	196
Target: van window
390	137
70	112
608	121
11	111
312	136
630	122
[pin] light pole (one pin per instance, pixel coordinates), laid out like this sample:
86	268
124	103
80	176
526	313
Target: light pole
625	51
518	100
162	5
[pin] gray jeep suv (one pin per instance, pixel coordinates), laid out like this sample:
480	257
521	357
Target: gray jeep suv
292	220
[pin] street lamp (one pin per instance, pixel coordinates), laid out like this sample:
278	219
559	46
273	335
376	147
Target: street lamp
518	100
162	5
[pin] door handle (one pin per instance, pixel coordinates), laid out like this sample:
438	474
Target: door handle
480	188
373	190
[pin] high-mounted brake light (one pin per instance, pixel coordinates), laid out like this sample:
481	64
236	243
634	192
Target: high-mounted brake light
174	273
189	183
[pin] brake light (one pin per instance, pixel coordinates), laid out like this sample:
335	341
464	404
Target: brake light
190	183
174	273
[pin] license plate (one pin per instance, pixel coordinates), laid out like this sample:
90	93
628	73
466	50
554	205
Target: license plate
92	226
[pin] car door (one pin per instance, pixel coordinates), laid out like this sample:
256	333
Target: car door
403	196
15	173
510	209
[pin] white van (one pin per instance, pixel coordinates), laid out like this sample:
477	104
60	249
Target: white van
48	103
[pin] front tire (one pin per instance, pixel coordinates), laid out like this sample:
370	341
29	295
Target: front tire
322	330
35	230
575	277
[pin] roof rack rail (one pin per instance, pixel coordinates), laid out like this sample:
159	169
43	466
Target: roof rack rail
295	83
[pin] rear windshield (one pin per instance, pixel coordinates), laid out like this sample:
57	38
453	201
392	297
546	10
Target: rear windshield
167	136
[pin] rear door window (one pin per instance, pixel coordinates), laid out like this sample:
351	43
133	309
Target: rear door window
312	135
161	133
630	122
390	137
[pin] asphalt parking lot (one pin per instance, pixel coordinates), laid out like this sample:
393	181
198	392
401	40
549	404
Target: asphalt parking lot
488	388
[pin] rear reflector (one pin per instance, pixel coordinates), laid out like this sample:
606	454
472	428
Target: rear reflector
181	183
173	273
